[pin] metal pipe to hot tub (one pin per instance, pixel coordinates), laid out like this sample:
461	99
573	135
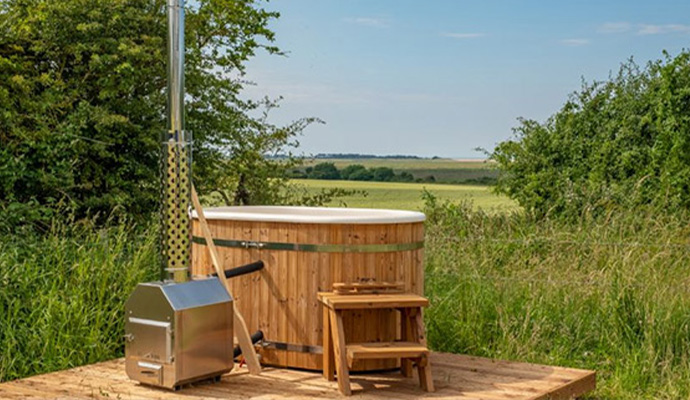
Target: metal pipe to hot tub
243	270
256	338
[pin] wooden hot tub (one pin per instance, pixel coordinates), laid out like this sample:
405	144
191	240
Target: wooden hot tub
306	250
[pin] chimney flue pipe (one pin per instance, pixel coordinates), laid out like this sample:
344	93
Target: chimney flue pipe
176	156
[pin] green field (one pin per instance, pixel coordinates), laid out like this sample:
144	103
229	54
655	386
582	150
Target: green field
408	196
444	170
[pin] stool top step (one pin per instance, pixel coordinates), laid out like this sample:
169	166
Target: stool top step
369	287
366	301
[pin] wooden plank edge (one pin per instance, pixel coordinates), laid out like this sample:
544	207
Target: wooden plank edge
572	390
498	366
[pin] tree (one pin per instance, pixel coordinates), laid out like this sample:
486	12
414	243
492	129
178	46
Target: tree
361	175
404	176
623	143
383	174
324	171
346	172
82	105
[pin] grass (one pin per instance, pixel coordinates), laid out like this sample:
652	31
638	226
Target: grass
62	295
609	295
408	196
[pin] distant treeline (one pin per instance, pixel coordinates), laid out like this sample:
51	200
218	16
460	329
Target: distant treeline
357	172
356	156
339	156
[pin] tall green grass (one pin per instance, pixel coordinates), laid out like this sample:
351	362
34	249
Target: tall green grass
62	295
607	294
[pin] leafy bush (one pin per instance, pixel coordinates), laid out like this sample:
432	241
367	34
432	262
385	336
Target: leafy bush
324	170
346	172
361	175
622	143
383	174
404	176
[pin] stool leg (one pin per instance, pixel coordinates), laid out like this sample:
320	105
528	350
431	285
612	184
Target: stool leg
328	356
339	351
407	336
424	366
424	371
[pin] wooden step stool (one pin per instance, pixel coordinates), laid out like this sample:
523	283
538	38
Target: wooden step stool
412	348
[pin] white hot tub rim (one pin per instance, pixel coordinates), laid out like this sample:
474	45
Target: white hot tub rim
312	215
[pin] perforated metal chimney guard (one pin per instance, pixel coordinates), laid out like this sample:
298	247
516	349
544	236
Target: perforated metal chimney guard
176	244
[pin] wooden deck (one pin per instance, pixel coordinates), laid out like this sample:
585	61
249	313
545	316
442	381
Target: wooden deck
455	376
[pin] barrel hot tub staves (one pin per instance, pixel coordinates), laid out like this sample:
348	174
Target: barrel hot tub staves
305	251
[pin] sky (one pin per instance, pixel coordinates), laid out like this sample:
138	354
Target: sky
444	77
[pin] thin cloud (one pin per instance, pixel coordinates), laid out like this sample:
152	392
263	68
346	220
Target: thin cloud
457	35
368	21
643	29
615	27
649	29
575	42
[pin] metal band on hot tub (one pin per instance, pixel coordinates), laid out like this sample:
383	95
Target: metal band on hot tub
318	248
295	348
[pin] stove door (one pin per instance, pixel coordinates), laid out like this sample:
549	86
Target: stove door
149	339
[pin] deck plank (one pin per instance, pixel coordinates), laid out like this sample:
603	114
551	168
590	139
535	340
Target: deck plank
455	376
